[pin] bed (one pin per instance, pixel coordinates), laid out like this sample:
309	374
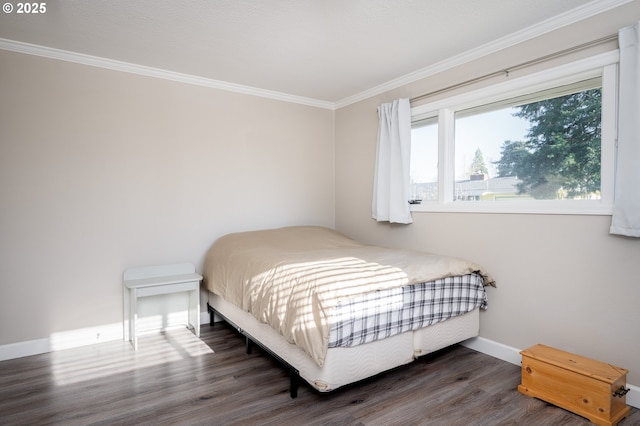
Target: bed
335	311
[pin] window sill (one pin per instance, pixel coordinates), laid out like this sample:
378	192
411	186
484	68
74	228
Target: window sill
596	208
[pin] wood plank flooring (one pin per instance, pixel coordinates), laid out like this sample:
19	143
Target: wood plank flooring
175	378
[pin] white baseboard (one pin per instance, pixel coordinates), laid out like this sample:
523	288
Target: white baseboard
22	349
633	397
63	340
70	339
495	349
512	355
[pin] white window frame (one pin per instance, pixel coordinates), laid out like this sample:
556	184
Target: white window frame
604	65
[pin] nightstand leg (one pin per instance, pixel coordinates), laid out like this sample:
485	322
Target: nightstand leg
194	311
126	326
133	302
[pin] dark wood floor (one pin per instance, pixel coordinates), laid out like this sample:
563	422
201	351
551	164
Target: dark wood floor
175	378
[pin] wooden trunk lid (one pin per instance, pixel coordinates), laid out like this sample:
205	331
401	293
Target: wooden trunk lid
578	364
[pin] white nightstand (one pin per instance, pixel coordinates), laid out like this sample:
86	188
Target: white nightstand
161	279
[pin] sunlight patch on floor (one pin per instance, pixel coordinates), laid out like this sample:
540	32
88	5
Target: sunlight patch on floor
110	358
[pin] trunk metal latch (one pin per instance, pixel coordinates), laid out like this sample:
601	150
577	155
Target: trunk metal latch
621	392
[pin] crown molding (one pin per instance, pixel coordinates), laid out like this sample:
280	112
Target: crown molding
575	15
95	61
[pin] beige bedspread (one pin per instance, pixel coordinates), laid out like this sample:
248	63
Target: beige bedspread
291	278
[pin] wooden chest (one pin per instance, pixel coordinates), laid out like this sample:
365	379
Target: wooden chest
586	387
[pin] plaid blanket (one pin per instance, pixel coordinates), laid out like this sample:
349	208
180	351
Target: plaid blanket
380	314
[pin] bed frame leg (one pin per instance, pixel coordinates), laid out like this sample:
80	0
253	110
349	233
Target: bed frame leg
211	314
294	380
248	346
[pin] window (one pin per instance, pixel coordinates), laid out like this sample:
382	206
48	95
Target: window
479	138
424	161
542	143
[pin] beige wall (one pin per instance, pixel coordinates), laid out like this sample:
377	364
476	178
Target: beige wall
103	170
562	280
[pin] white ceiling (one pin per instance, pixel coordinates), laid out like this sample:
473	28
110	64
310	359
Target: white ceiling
324	50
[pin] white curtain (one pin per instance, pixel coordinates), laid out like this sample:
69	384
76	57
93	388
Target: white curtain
391	180
626	208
